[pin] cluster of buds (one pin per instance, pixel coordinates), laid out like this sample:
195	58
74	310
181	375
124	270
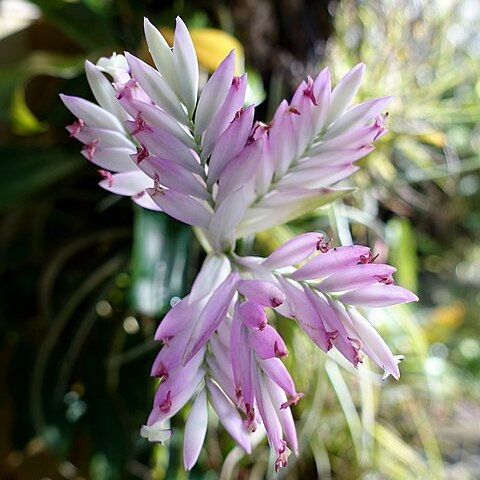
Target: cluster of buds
204	160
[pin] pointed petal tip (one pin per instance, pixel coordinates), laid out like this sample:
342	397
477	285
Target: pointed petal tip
147	25
387	373
357	71
408	296
179	22
66	98
394	371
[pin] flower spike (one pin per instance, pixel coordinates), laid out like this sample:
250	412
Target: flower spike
195	152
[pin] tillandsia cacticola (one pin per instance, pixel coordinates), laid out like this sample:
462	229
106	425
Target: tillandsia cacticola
197	153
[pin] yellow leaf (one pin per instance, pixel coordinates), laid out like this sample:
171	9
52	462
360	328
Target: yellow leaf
213	45
449	316
435	138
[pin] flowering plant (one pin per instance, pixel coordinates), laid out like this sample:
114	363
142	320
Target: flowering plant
204	160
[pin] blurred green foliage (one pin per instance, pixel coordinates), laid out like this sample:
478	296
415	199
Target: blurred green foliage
80	268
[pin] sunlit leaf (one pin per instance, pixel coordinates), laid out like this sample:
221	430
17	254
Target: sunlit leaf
23	120
403	453
435	138
403	252
213	45
256	93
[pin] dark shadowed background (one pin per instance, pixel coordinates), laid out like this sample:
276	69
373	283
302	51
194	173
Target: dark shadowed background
86	276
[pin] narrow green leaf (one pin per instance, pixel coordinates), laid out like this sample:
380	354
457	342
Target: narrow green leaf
24	121
403	252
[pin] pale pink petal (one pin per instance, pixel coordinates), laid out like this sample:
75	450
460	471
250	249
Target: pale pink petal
230	143
303	123
371	338
113	159
170	355
176	381
195	430
222	333
334	260
266	166
242	360
345	146
269	417
294	250
222	355
252	314
346	342
180	206
355	276
378	296
262	292
267	343
179	317
322	91
156	87
282	138
160	51
144	200
276	371
173	175
317	177
170	403
285	416
240	353
240	171
161	143
332	158
228	215
307	317
115	66
229	416
105	138
211	317
214	271
92	114
185	65
344	92
232	104
224	378
103	91
214	94
132	89
357	116
127	183
156	118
